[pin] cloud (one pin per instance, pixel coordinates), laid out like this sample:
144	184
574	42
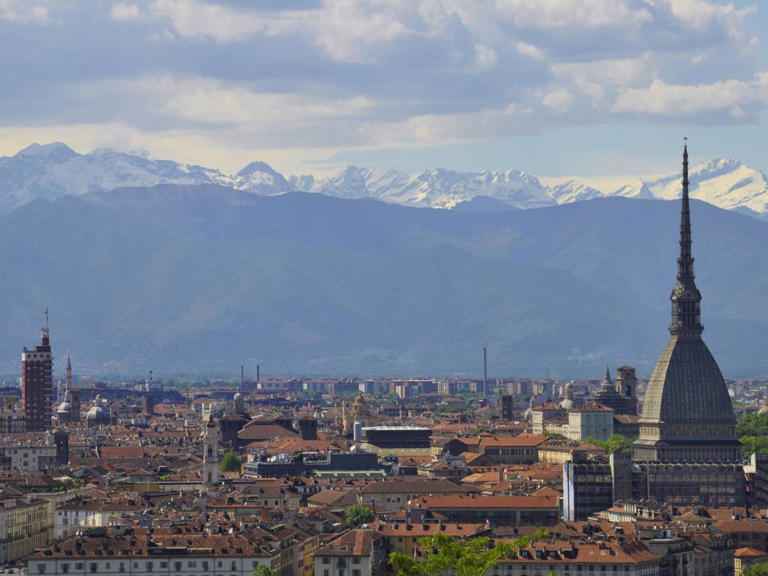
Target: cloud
735	97
485	57
213	102
360	74
573	13
121	11
23	11
529	50
558	100
199	20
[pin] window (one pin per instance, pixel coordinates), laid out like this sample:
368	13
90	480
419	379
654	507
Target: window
356	560
41	568
122	567
356	572
325	572
163	564
149	566
326	560
234	565
94	567
192	564
177	566
205	565
65	567
78	565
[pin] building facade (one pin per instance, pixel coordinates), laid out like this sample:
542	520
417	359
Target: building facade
37	383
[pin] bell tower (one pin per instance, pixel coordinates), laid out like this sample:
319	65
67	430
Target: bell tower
210	438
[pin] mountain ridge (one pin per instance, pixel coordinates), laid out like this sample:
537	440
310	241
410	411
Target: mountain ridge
199	279
54	170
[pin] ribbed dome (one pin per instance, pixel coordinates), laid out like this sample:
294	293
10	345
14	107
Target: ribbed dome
687	385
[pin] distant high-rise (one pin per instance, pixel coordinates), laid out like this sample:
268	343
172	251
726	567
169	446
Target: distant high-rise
37	382
507	407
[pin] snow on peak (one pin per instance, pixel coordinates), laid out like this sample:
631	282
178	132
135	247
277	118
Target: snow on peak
573	191
52	151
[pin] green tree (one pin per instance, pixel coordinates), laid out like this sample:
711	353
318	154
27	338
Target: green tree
617	443
230	463
759	569
753	445
357	514
264	570
441	553
752	425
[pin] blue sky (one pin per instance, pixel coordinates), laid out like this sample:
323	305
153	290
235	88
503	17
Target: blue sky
555	87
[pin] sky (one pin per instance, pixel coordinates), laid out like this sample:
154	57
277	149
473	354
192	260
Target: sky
592	88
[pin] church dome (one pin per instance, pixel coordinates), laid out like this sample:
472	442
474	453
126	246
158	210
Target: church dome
64	408
687	386
97	415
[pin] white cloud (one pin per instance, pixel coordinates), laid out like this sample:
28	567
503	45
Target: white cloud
23	11
540	14
347	74
199	20
485	58
529	50
121	11
213	102
558	100
662	99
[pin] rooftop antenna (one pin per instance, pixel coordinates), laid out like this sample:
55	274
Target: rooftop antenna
46	332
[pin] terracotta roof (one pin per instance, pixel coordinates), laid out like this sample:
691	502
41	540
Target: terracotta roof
418	530
749	552
513	441
741	526
495	502
334	498
567	552
353	543
415	486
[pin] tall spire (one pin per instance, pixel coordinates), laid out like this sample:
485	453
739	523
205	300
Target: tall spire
69	373
685	296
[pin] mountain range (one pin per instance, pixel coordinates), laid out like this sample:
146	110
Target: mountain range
201	278
54	170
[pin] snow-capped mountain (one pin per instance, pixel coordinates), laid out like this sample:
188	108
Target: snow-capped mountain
52	170
438	188
573	191
637	189
724	182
